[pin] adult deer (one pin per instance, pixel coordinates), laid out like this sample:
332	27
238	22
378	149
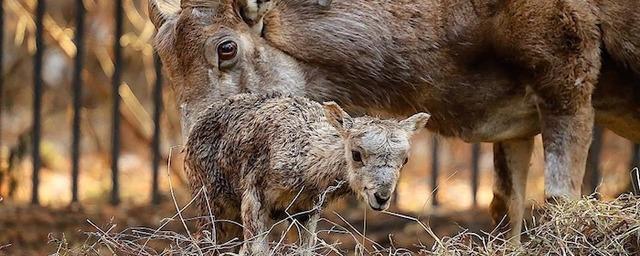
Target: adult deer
496	71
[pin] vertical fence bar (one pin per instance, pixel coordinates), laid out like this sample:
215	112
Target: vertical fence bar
435	170
475	170
37	101
635	181
1	71
77	96
593	161
635	172
116	80
157	101
635	158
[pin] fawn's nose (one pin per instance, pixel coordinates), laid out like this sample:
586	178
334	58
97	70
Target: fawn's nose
382	197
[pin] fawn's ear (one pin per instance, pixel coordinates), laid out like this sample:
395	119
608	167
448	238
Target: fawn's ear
160	11
337	117
415	122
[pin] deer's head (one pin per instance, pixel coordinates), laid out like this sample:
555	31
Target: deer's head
209	53
375	151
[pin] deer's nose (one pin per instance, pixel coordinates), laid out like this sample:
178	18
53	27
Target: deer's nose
382	197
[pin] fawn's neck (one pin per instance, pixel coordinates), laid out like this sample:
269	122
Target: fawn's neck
327	164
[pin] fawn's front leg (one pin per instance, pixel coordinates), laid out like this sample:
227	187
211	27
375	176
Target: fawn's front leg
308	236
254	222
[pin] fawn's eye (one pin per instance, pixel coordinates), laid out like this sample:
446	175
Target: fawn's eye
227	50
356	156
406	159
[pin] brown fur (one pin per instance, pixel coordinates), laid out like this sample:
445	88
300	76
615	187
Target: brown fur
487	70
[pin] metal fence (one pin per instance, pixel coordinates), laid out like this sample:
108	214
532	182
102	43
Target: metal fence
77	86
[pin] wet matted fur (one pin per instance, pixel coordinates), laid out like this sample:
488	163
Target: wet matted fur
269	157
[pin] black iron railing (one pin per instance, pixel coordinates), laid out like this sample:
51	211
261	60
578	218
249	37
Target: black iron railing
115	92
37	101
77	99
155	146
77	88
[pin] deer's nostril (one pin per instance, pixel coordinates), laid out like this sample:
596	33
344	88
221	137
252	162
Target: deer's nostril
382	198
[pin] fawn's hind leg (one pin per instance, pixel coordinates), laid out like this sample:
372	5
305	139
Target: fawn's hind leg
228	228
220	218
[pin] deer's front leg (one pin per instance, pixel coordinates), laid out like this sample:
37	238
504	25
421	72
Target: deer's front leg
254	221
511	162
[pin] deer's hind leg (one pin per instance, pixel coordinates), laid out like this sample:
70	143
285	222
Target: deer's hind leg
565	89
511	160
558	42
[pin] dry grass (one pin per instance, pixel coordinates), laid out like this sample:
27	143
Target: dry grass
583	227
573	227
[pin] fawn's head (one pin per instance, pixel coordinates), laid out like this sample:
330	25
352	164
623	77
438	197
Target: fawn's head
375	151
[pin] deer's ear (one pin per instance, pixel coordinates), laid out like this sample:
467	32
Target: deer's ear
160	11
415	122
337	117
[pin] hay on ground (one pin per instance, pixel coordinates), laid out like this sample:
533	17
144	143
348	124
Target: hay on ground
580	227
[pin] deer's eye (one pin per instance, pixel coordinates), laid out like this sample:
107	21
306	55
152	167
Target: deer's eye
227	50
406	159
222	54
356	156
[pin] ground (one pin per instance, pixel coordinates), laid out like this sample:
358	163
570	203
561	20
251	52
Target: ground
30	230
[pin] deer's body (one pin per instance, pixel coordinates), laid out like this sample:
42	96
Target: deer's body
475	64
271	157
487	70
